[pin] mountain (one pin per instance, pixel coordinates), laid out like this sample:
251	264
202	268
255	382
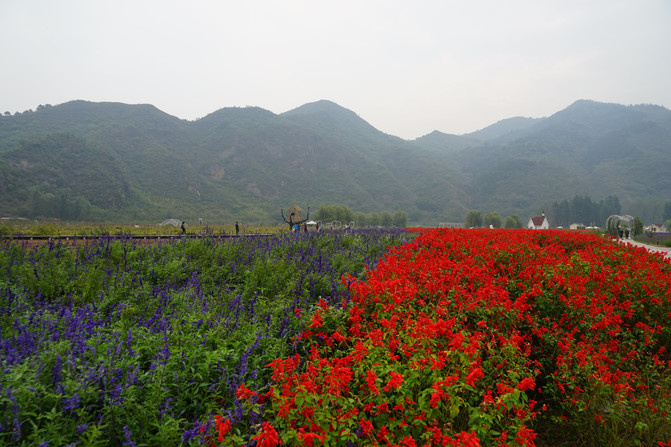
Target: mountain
506	129
589	148
235	163
113	161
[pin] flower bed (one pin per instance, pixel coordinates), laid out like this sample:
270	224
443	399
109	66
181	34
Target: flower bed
111	343
468	337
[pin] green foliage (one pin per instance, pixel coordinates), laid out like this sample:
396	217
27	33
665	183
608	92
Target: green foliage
493	219
513	221
473	219
638	226
581	209
329	213
400	219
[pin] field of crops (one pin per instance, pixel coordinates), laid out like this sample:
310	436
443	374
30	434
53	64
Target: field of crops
455	337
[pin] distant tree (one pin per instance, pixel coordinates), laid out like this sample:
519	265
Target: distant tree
400	219
473	219
638	226
583	210
360	219
667	211
329	213
8	113
559	213
513	221
608	207
373	219
493	219
386	220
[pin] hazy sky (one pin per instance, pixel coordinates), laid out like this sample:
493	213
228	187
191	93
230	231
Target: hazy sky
406	67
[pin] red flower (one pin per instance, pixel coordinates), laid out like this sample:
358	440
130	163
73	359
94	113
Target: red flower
395	381
268	436
435	398
360	351
468	439
382	433
525	437
317	321
371	377
223	427
366	427
526	384
285	408
475	375
382	408
308	438
244	393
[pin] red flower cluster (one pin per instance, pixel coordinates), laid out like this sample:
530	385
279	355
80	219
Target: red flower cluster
456	337
268	436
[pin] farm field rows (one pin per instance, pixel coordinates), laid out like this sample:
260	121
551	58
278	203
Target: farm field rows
449	337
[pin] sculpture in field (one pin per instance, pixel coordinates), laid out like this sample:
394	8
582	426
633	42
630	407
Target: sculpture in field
295	216
615	223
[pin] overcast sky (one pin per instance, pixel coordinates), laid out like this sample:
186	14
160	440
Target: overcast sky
406	67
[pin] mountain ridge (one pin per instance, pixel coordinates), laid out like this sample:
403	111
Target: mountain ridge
249	162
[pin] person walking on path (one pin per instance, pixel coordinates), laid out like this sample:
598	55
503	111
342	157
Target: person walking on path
183	229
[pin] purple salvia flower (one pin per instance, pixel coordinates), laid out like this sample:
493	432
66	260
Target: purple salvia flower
127	435
71	403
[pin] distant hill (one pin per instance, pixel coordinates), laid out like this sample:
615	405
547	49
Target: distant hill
505	129
95	161
446	143
589	148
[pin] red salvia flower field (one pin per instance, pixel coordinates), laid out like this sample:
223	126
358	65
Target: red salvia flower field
484	338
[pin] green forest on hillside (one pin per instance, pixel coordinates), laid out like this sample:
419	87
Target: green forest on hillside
117	162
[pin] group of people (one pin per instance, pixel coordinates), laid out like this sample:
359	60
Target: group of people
297	228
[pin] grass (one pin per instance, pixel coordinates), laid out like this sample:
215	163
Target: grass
57	228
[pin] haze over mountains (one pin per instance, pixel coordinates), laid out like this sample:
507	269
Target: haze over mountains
112	161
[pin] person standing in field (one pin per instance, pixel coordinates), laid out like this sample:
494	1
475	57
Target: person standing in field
183	229
237	228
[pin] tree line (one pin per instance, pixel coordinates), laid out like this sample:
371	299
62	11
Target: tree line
341	213
579	210
583	210
475	219
58	204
